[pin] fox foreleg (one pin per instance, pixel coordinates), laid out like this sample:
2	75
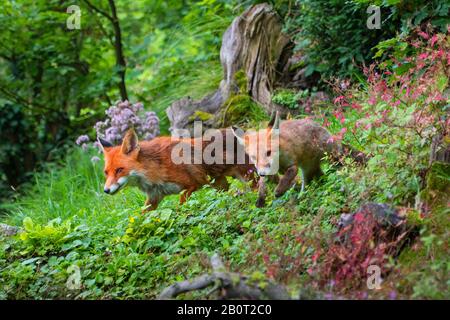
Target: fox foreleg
262	191
151	203
186	194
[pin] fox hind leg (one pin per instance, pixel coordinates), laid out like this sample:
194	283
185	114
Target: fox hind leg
310	174
186	194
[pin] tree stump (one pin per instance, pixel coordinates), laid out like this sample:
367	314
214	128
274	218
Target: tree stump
254	43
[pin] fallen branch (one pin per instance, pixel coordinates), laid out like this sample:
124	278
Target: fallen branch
230	285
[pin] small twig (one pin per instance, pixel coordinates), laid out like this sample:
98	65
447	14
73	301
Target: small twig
103	13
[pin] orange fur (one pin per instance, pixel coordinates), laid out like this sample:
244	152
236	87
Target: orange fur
288	145
148	165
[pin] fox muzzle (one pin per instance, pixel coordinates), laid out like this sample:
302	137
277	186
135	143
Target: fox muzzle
113	188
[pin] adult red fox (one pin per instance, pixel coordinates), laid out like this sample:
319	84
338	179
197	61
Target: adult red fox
286	146
149	166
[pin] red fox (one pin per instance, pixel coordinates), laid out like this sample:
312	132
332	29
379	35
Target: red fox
148	165
287	146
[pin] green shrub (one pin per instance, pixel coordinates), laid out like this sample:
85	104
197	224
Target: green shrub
287	98
335	38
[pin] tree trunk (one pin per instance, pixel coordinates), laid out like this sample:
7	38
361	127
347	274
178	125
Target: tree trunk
118	48
440	149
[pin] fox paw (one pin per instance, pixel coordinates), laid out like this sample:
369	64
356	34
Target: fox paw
260	203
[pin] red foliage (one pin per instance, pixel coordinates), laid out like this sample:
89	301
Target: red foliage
361	244
402	82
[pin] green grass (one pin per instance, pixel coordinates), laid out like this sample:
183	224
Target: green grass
70	223
121	253
64	192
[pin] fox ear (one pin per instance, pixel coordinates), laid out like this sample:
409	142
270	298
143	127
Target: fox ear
275	125
104	144
130	142
239	134
274	122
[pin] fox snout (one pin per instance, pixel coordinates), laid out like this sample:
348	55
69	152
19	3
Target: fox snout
266	171
111	189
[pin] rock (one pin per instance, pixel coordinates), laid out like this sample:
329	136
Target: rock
254	43
384	222
385	215
381	224
7	230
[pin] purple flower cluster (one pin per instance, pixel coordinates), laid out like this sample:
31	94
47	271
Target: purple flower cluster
95	159
124	116
82	141
121	117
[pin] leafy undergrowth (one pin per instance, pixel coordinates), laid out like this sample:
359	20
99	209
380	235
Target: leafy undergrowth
120	252
69	225
79	243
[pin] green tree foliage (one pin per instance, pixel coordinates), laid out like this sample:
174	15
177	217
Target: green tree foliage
55	83
51	81
172	59
335	38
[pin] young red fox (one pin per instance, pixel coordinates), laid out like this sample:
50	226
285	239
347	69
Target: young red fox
149	166
284	148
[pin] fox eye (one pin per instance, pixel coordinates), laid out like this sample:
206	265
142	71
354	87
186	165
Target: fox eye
105	172
119	170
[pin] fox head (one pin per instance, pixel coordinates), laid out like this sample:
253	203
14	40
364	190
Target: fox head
119	161
262	146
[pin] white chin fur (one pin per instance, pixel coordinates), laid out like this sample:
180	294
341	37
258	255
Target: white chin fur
122	181
116	186
113	188
267	171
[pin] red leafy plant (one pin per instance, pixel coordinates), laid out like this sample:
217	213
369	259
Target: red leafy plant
286	257
408	91
344	262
